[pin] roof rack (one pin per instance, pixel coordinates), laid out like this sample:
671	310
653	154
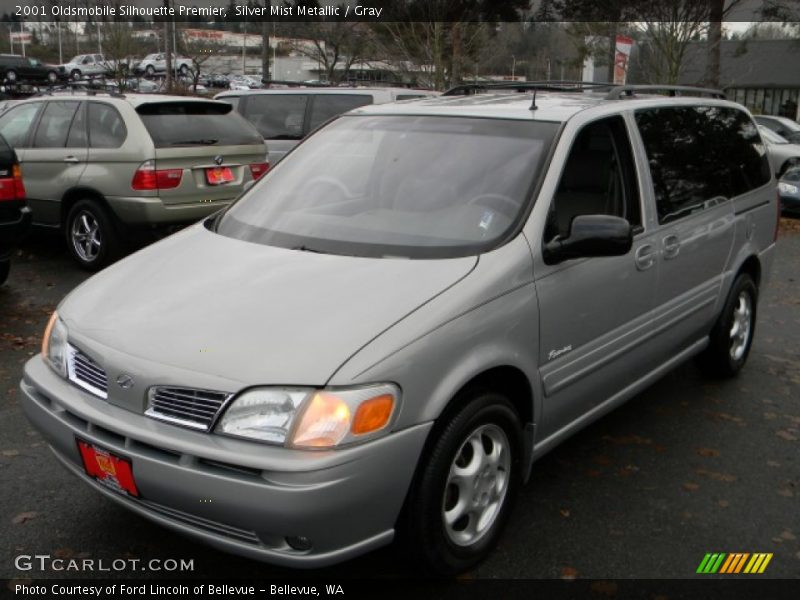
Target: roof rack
627	91
556	85
615	92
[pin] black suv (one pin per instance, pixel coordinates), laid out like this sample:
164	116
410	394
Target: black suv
15	216
18	69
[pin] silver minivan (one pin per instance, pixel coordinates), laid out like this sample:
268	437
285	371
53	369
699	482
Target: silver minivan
101	166
381	336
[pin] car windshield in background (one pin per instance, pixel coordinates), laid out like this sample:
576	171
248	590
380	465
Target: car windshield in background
196	123
771	137
397	186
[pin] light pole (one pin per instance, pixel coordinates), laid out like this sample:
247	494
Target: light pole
513	66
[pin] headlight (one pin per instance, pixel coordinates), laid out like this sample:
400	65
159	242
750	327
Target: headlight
309	418
787	188
54	344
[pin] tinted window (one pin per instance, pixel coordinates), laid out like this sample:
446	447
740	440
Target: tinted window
277	116
698	154
326	106
77	132
599	178
419	187
409	96
15	125
106	127
196	123
54	124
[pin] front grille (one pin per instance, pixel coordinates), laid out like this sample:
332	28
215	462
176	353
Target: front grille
85	373
214	527
185	406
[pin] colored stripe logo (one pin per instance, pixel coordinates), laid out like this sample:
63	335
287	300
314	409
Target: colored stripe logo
734	563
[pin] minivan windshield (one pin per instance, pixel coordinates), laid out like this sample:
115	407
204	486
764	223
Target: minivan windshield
397	186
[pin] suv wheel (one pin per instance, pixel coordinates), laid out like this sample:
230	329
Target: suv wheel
462	493
732	335
91	235
150	70
76	74
11	76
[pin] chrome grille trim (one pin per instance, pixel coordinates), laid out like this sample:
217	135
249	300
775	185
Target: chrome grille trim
85	373
187	407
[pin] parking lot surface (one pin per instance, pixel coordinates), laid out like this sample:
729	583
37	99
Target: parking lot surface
688	467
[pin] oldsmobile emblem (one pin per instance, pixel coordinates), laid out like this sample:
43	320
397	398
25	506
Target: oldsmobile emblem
125	381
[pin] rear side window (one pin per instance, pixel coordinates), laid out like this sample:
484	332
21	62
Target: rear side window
54	124
277	116
77	132
326	106
700	155
106	127
15	125
196	124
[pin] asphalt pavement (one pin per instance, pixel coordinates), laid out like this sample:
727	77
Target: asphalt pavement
688	467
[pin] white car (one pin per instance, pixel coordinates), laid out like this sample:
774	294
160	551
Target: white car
157	63
783	155
89	65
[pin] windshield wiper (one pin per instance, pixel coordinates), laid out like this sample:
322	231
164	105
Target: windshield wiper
200	142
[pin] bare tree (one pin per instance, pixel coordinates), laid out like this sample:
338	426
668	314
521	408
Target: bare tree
199	50
335	46
666	38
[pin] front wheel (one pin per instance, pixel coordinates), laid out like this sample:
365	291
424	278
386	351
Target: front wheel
75	75
732	335
11	76
150	70
184	70
91	235
462	493
52	77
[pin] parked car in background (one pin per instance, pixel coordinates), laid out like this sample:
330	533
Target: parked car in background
789	191
379	339
783	126
783	155
157	63
285	116
218	80
15	216
93	65
102	166
21	69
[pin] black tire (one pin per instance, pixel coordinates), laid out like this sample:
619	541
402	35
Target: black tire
52	77
422	525
184	70
11	76
729	341
5	267
150	70
92	236
75	74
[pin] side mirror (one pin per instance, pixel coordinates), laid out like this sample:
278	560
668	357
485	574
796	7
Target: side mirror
591	235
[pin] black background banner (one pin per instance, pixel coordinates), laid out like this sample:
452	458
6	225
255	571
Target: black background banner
705	587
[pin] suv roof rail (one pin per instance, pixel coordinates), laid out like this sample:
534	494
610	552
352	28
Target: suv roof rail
627	91
556	85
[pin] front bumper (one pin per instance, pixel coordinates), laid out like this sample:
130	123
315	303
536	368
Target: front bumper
240	496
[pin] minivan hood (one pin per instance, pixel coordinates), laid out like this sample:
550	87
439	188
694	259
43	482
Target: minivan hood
248	312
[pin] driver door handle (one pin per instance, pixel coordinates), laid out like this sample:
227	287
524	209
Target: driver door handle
71	159
645	257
